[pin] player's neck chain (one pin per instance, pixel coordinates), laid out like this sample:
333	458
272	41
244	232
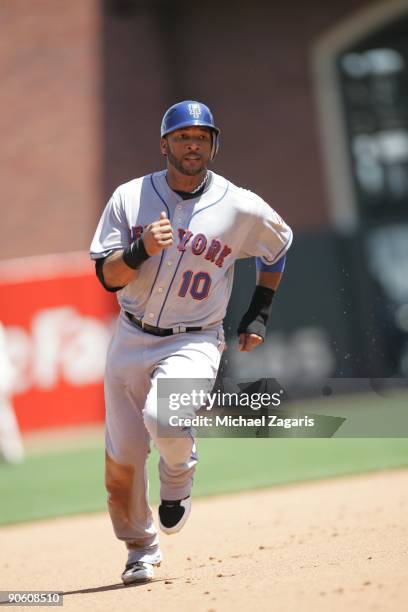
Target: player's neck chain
201	185
197	191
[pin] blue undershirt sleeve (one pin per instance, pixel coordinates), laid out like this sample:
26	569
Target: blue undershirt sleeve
278	266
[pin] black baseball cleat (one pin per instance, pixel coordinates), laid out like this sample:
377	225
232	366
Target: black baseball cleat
173	514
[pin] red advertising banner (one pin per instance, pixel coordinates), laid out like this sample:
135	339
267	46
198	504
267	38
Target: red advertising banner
58	321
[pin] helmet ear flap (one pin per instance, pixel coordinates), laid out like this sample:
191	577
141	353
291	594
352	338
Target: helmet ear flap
215	137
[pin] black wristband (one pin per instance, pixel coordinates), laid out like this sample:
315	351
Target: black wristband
135	254
256	317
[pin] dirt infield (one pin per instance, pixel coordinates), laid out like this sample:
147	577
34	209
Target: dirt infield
330	545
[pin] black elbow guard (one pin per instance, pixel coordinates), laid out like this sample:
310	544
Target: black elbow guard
99	273
256	317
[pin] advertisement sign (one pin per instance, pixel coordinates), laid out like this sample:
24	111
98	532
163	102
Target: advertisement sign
58	322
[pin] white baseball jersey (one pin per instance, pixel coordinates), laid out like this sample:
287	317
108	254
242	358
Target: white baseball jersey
189	284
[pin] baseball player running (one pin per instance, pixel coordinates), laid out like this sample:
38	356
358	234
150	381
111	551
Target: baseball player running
167	243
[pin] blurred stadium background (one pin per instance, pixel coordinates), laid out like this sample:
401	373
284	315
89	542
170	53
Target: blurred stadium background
312	102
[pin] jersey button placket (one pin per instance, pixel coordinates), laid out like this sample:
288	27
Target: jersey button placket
155	302
179	215
164	279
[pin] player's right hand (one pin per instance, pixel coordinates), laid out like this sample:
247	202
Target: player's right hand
158	235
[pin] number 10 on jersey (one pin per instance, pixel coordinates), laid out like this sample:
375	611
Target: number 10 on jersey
199	284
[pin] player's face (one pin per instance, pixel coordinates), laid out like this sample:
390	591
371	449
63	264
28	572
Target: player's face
188	149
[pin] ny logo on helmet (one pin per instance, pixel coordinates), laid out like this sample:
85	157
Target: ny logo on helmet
194	110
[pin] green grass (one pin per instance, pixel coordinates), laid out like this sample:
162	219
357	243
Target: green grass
71	481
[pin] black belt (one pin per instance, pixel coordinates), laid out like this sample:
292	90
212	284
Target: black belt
159	331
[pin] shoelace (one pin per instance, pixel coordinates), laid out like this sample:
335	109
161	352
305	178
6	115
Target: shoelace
140	564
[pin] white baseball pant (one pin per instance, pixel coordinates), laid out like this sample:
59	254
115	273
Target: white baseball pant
135	361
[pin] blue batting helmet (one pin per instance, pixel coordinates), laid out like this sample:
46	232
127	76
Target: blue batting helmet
187	114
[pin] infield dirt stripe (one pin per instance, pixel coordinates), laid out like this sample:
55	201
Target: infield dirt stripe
332	545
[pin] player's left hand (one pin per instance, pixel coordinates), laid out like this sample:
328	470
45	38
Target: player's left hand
247	342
